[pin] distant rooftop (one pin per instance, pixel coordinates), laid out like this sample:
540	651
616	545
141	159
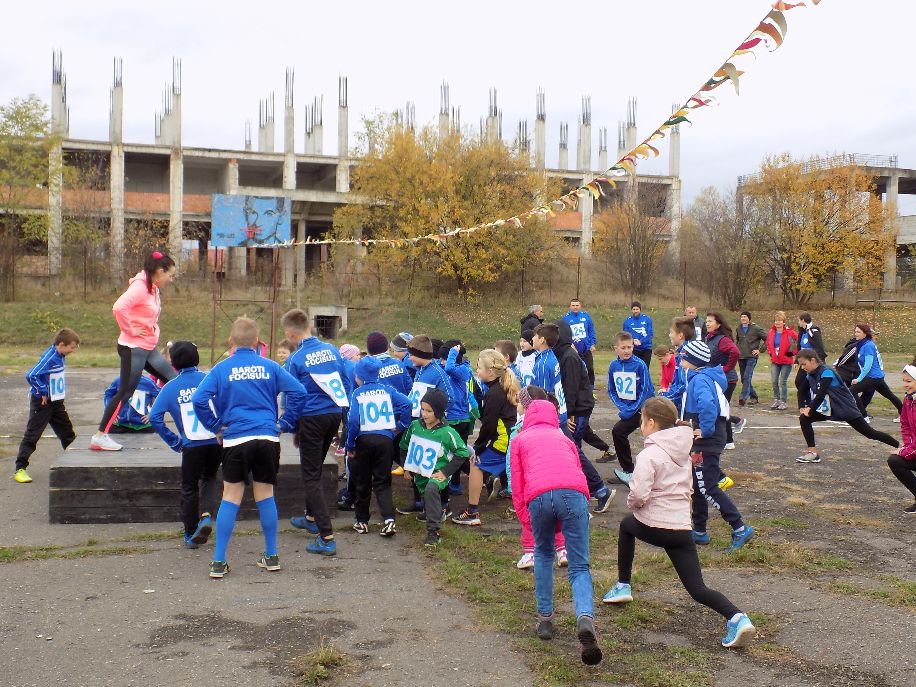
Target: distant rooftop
841	160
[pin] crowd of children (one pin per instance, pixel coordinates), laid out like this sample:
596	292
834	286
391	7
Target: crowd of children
409	407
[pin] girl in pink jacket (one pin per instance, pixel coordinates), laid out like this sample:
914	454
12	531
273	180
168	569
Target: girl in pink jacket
903	462
548	482
137	313
660	500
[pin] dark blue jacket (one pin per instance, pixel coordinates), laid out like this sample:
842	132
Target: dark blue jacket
583	330
375	408
175	399
829	396
320	369
641	328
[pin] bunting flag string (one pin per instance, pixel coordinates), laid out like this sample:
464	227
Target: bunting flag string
769	33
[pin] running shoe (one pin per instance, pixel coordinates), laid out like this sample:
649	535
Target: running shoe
701	538
467	518
103	442
433	539
204	528
417	507
526	562
493	489
303	523
741	538
730	446
623	476
775	404
339	452
446	514
911	510
22	476
620	593
742	402
783	406
504	494
397	470
896	419
271	563
189	542
588	641
545	629
868	419
604	501
739	427
218	569
562	559
753	400
389	529
606	457
809	457
739	631
361	527
322	546
726	483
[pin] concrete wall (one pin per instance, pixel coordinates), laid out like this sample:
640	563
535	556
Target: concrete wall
906	229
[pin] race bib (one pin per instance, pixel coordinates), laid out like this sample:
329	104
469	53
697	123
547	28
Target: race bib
422	455
625	384
878	360
824	407
138	402
375	412
57	386
561	397
332	385
578	331
193	429
417	392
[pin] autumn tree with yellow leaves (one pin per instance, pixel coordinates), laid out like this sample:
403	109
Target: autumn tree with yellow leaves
413	183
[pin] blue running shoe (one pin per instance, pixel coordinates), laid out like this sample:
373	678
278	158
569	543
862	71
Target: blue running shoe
741	538
189	542
620	593
604	501
323	547
623	476
303	523
739	631
204	528
701	538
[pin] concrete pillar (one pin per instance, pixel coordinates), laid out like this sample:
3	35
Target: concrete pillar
60	129
116	235
890	256
585	150
287	255
237	257
673	210
563	161
630	134
300	249
343	138
674	151
586	208
540	131
621	140
176	201
444	124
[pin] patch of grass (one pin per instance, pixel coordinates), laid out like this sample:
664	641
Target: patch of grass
784	521
19	554
15	554
318	666
151	536
898	592
775	556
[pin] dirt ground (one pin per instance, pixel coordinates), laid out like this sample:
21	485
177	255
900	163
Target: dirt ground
842	611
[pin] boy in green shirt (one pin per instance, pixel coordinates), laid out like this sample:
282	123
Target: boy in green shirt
435	452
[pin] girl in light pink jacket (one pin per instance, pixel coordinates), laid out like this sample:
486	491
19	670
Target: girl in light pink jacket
137	313
660	500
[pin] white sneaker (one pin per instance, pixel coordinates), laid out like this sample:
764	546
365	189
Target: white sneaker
783	406
562	560
730	446
102	442
525	562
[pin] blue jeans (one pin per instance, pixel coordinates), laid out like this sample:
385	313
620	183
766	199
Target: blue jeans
747	365
596	485
779	375
564	510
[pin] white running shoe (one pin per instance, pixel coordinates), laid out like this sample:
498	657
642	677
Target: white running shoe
730	446
525	562
562	559
102	442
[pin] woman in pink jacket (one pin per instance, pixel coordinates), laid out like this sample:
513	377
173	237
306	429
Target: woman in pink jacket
137	312
660	500
547	480
903	462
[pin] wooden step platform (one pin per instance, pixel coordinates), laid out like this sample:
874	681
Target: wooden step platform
142	483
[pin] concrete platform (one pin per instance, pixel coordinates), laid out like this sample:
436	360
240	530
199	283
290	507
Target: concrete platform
142	483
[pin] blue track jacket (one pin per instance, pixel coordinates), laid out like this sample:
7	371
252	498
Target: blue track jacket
707	407
583	330
320	369
629	385
870	363
431	376
134	408
459	375
244	389
375	408
50	364
394	373
175	399
641	328
547	376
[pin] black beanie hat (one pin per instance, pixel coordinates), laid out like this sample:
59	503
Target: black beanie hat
376	342
437	344
447	347
184	354
528	335
437	400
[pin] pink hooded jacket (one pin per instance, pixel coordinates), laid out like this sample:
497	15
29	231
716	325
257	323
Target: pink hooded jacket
137	307
542	458
662	482
908	428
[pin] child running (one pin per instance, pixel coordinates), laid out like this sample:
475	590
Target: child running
548	482
497	415
434	453
201	452
828	399
660	500
667	358
903	462
47	391
239	399
628	386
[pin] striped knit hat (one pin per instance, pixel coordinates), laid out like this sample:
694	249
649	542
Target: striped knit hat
696	353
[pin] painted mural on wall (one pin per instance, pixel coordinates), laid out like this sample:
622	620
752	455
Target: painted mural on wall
249	220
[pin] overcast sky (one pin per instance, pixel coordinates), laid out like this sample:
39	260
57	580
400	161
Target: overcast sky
840	83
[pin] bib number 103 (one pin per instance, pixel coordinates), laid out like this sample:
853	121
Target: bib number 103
422	455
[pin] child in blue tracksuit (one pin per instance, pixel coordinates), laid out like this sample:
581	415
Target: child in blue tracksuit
318	366
377	413
639	325
583	335
47	391
706	408
201	452
682	330
628	386
134	415
458	414
239	399
546	370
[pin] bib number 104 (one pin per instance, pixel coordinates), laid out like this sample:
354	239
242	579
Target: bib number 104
375	413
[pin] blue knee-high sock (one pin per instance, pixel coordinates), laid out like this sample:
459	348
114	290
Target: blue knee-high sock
225	523
267	509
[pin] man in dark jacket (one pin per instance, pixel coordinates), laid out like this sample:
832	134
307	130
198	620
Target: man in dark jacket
580	402
809	336
752	341
534	317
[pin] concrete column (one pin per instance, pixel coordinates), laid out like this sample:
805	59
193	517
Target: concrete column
585	163
116	235
540	143
890	256
674	152
176	201
586	208
287	255
60	128
300	249
563	161
343	138
673	210
237	257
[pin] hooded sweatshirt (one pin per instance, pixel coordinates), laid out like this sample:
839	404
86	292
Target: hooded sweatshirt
394	373
542	458
706	407
546	374
175	399
319	367
375	408
430	377
459	374
573	374
662	481
908	428
137	406
138	307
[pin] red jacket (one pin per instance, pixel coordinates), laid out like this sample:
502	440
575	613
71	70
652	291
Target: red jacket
668	373
542	458
908	428
787	345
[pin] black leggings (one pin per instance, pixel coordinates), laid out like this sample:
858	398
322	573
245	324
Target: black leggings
859	424
867	388
679	546
904	470
133	362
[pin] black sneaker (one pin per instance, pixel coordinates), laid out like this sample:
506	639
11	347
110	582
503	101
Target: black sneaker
432	540
271	563
545	629
416	507
218	569
361	527
389	529
588	641
604	502
911	510
606	457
